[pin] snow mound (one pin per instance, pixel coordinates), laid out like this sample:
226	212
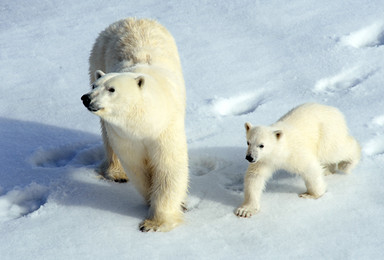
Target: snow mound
21	202
370	36
379	120
238	104
375	146
69	155
344	81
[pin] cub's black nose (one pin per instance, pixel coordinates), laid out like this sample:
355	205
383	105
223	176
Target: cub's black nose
249	158
86	100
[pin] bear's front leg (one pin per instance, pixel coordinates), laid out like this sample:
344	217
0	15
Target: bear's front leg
254	183
167	196
168	190
111	167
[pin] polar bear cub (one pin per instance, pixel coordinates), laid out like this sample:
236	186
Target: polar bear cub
139	94
311	140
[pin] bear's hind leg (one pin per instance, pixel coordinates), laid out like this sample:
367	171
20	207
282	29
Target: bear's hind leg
353	154
330	169
314	181
347	166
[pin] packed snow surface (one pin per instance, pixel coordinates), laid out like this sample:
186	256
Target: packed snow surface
242	61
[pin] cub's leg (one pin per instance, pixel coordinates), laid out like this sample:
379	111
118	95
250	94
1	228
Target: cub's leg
330	169
254	183
110	168
314	180
352	157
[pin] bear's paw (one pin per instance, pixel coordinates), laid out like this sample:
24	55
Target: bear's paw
307	195
149	225
115	174
246	211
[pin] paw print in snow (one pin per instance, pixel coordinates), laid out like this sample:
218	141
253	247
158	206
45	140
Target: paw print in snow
237	105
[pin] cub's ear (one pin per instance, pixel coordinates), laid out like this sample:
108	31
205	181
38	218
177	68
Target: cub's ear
278	134
140	81
247	126
99	74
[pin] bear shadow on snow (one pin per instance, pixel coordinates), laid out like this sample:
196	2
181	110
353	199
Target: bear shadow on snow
65	161
285	182
217	174
22	141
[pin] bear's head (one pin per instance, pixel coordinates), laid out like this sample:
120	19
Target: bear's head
112	93
261	141
128	101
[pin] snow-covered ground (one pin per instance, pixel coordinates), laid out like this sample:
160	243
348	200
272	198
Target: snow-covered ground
242	61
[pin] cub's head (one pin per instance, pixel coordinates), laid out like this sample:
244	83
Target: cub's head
114	93
261	141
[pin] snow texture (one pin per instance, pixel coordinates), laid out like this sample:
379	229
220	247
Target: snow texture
242	61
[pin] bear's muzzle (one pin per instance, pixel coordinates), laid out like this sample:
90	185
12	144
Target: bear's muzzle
249	158
87	103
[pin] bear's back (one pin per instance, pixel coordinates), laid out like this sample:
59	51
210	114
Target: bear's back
313	113
135	41
314	125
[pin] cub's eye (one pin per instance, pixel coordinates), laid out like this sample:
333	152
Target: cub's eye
93	86
261	146
111	90
247	143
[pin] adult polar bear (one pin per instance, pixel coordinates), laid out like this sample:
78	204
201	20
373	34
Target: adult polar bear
311	140
141	102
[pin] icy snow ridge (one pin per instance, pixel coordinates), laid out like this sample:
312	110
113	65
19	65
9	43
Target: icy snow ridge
237	105
370	36
345	81
20	202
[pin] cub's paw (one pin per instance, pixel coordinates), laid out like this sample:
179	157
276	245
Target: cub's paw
184	207
307	195
345	166
246	211
149	225
330	169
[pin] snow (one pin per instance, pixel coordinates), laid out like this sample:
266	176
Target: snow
370	36
242	61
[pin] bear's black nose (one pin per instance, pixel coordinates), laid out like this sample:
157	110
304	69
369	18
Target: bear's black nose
86	100
249	158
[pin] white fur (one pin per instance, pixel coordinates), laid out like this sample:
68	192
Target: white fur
141	103
311	140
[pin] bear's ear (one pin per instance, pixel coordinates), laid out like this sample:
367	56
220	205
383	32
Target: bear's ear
278	134
99	74
140	81
247	126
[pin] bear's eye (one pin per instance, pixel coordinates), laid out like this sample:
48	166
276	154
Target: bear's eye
111	90
93	86
247	143
261	146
